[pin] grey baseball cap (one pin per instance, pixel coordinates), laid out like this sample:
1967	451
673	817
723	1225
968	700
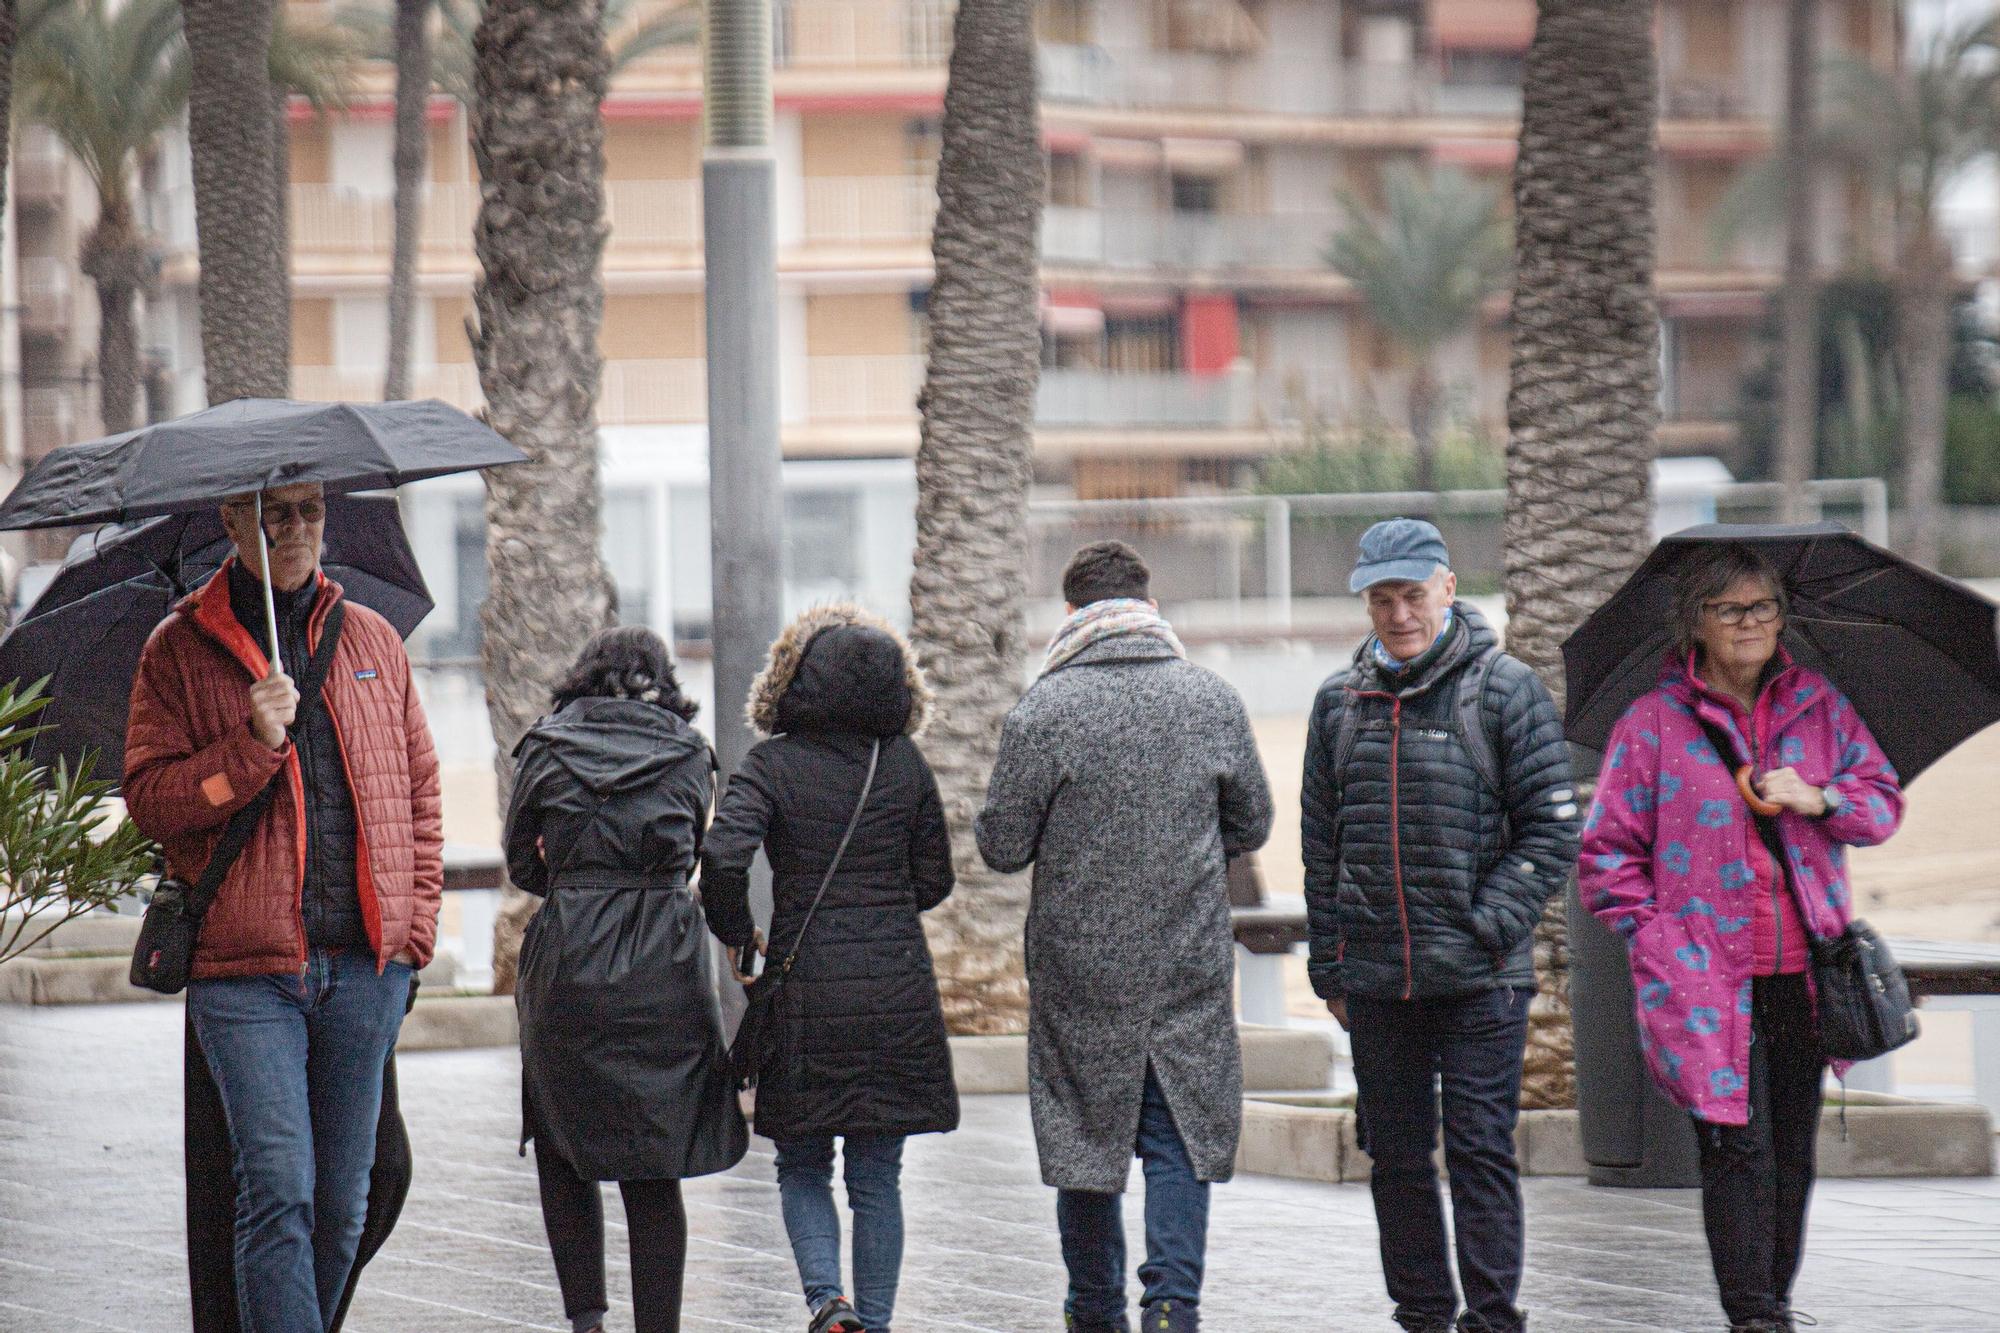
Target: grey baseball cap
1398	550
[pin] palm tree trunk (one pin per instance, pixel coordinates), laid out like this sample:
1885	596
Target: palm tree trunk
1423	422
245	310
9	31
1798	400
973	463
1582	407
1923	347
114	259
540	71
281	197
413	88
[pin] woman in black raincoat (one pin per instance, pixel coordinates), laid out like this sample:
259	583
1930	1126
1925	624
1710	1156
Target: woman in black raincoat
623	1071
859	1034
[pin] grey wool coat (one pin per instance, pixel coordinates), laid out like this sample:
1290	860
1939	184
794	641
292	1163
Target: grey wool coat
1127	777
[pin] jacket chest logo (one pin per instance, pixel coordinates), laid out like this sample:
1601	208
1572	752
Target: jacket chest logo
366	673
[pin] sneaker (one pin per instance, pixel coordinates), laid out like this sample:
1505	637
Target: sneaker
1075	1325
836	1316
1169	1317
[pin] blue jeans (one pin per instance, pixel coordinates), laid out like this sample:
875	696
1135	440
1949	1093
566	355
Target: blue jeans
1093	1225
874	1170
298	1061
1405	1053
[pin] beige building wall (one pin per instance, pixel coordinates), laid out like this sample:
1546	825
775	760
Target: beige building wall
312	331
448	333
855	145
657	150
865	324
658	327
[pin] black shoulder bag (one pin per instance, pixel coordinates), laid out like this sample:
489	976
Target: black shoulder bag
751	1052
163	957
1863	1001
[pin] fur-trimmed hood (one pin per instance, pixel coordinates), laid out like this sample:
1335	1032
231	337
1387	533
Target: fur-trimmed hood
862	678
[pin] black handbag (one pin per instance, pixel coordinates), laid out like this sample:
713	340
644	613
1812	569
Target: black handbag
163	956
752	1050
1861	1000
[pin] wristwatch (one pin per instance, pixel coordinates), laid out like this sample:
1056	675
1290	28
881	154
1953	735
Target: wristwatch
1834	800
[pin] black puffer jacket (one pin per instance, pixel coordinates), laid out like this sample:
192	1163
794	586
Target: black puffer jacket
859	1029
623	1070
1420	881
329	902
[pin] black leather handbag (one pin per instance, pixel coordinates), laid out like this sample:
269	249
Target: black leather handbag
1864	1001
163	957
752	1050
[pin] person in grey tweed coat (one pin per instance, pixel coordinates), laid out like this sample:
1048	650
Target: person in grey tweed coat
1127	776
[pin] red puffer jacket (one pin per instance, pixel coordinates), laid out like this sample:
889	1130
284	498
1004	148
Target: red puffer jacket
191	762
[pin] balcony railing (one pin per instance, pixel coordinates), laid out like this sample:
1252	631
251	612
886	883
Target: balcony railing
1186	240
1143	79
863	388
1163	398
845	33
41	168
638	392
869	210
337	219
654	215
47	294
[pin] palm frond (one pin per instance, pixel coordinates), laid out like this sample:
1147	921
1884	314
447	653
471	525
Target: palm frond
316	60
1426	261
680	26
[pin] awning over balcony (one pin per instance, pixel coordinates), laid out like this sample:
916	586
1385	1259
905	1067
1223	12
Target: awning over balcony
1482	25
1072	314
1475	154
1714	305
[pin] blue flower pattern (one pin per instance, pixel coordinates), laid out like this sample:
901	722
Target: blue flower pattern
1702	751
1653	995
1677	858
1715	814
1704	1020
1724	1082
1670	787
1694	957
1641	799
1743	994
1730	925
1736	875
1609	860
1618	753
1792	751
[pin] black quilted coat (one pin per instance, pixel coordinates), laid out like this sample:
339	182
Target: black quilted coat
623	1070
1420	880
859	1031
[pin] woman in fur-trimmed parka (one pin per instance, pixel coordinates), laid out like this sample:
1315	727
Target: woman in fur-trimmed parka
860	1037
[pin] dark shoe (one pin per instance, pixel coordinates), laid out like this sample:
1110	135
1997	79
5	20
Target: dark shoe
1075	1325
1472	1323
1759	1326
1417	1323
1169	1317
836	1316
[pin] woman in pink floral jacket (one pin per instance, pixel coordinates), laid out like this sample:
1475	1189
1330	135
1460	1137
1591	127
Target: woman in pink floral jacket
1718	919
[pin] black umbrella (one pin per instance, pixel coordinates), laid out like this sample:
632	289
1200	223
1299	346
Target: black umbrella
250	446
1916	652
89	625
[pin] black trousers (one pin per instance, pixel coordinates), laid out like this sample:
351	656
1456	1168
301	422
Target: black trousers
1757	1179
1464	1053
211	1190
656	1222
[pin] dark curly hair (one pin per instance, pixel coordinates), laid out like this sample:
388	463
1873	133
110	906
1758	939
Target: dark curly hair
1104	570
625	662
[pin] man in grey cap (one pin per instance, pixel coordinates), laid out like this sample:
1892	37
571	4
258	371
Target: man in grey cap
1439	816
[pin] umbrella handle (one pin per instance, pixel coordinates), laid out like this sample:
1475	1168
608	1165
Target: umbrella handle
270	605
1757	804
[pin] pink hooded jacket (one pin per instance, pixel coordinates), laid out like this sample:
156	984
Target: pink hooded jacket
1668	853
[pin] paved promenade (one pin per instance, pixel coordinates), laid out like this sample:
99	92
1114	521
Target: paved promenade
90	1229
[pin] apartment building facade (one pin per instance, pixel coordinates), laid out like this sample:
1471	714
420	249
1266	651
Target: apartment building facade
1197	151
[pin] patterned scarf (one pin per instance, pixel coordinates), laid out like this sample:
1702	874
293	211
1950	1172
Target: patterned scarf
1103	620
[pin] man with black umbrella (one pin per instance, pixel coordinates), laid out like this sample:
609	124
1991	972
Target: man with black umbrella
303	968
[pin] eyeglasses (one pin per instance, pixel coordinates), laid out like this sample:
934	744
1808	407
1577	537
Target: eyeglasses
278	515
1760	612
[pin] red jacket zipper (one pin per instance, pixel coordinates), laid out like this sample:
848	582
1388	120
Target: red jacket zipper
1396	836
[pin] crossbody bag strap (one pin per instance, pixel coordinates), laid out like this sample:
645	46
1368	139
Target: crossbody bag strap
1768	832
236	833
867	785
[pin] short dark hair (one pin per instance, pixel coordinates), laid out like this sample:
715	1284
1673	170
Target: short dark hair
1104	570
625	662
1708	575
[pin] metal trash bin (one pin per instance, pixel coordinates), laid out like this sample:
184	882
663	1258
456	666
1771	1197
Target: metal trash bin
1633	1136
